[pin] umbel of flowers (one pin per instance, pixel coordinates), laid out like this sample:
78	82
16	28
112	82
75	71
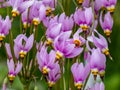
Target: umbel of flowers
58	41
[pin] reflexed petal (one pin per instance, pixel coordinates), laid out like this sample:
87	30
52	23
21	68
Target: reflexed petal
25	5
108	21
18	68
8	50
10	64
42	12
74	53
54	30
88	15
29	43
6	25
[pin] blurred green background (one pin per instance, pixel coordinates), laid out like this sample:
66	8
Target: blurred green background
112	77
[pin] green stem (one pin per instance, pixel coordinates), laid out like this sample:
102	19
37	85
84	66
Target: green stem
86	81
20	25
68	73
26	87
61	6
12	45
93	22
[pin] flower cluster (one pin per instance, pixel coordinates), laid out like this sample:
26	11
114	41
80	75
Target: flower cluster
48	40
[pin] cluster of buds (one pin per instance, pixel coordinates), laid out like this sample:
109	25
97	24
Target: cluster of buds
62	37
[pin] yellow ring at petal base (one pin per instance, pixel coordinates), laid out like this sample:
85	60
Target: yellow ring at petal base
51	83
77	42
80	1
107	32
45	70
15	13
78	85
22	54
2	37
11	77
84	27
111	8
106	52
59	55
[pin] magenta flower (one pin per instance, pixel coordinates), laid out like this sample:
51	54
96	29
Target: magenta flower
107	24
54	75
64	48
52	32
18	6
13	69
80	73
86	3
84	18
5	26
97	62
110	5
25	19
101	42
8	51
46	61
98	5
67	22
98	86
50	3
77	39
37	12
23	45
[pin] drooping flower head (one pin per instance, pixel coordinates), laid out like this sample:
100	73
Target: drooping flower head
110	5
13	69
46	61
97	63
52	32
64	48
78	40
5	26
84	18
101	43
54	75
18	6
66	22
23	45
80	73
106	23
37	12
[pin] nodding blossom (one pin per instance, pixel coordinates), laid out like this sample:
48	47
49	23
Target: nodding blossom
80	74
101	43
5	26
97	63
83	18
64	48
110	5
22	45
18	6
37	12
52	32
78	40
13	69
106	23
46	61
66	22
54	75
